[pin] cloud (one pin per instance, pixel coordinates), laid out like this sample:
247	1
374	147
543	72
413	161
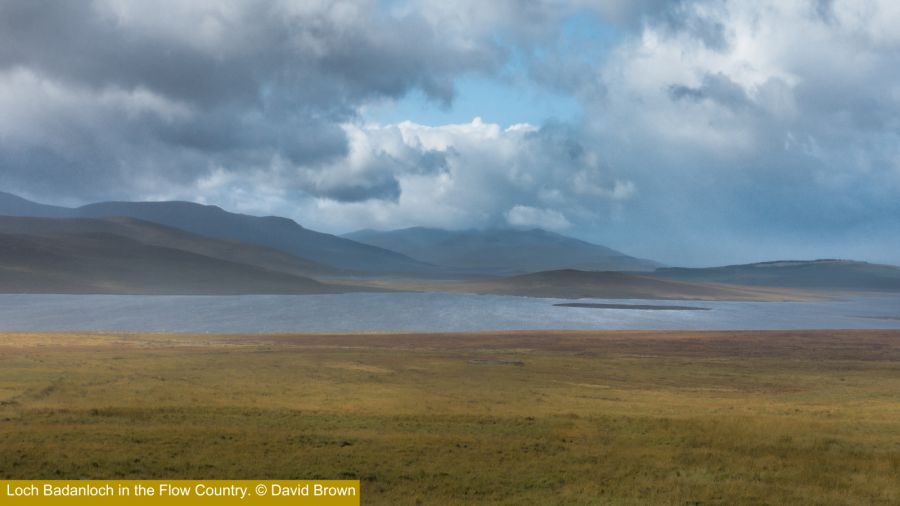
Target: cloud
718	88
377	158
523	216
122	98
746	126
469	175
714	131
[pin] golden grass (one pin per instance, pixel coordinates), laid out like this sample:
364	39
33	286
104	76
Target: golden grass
591	418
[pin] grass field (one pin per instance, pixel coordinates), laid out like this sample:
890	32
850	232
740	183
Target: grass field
674	418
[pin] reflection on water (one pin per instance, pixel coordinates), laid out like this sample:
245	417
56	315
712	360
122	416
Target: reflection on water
438	312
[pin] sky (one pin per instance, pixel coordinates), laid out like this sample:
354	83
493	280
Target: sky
693	133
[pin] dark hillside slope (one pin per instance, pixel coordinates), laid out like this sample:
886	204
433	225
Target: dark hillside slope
400	241
13	205
112	264
171	237
503	250
279	233
818	274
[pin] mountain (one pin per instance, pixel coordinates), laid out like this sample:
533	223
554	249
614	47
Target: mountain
279	233
13	205
107	263
816	274
572	284
171	237
502	250
400	240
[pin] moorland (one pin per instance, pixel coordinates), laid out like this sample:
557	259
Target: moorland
542	417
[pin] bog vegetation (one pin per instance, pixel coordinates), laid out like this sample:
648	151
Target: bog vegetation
488	418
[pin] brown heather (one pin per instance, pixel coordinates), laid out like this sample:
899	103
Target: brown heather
667	418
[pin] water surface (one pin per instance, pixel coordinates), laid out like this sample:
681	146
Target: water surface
436	312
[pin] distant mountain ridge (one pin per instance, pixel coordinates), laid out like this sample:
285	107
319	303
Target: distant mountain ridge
211	221
13	205
400	240
502	250
812	274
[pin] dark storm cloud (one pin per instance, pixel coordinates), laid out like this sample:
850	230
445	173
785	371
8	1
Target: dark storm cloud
273	82
380	186
373	169
683	17
74	43
716	87
673	17
333	64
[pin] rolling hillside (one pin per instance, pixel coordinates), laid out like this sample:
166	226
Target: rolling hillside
111	264
500	251
818	274
170	237
407	239
211	221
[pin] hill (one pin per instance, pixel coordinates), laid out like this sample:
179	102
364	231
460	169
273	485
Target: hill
502	250
572	284
13	205
407	239
111	264
817	274
211	221
171	237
